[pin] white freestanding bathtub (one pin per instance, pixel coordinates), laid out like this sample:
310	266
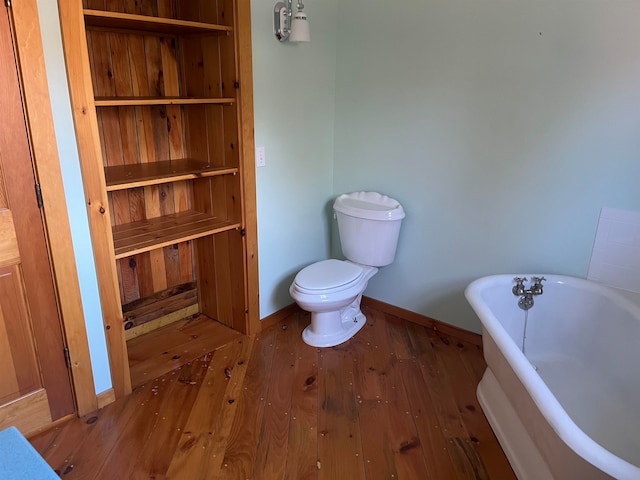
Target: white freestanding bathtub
569	406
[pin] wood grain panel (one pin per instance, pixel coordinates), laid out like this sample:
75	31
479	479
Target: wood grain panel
238	281
223	264
9	386
99	4
151	263
204	259
131	269
4	202
189	10
28	414
156	135
196	143
19	350
181	193
227	13
129	277
99	58
163	321
159	304
167	8
9	251
221	283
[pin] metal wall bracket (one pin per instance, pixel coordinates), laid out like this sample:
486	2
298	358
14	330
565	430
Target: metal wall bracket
282	20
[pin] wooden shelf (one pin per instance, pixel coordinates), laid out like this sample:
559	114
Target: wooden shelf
138	237
121	177
144	23
148	101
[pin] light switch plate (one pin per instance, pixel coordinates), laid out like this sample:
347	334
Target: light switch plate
261	159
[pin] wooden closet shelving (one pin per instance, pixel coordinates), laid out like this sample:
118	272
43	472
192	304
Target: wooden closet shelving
121	177
139	237
142	101
149	24
162	95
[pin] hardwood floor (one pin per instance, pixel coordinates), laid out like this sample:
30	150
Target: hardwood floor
165	348
395	402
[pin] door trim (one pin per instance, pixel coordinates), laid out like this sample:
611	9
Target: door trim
86	127
35	90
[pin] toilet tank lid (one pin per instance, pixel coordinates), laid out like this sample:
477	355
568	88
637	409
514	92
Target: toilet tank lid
369	205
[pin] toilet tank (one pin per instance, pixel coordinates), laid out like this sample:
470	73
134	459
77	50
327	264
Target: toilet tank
369	225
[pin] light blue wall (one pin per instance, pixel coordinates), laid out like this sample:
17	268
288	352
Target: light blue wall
502	127
294	91
74	193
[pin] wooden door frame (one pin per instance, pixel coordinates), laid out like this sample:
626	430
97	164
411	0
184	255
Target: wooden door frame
35	91
247	157
88	138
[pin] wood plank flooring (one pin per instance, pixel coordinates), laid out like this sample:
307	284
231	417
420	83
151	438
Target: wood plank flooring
395	402
163	349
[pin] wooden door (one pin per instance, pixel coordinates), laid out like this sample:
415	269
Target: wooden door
35	385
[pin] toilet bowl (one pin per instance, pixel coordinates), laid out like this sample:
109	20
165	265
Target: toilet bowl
331	290
368	224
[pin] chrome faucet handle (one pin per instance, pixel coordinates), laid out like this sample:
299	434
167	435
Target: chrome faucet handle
518	289
536	288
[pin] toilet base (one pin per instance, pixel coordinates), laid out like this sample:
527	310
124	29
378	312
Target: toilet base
320	334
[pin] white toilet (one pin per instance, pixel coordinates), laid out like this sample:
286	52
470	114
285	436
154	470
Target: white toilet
368	224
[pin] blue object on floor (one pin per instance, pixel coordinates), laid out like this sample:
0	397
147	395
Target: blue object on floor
19	460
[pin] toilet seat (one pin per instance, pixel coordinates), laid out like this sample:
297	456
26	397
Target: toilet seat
328	276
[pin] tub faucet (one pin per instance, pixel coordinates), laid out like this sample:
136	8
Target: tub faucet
526	295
